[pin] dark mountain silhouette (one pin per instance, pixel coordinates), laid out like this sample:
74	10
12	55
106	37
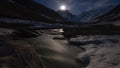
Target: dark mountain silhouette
66	14
111	16
101	25
37	16
28	10
89	16
86	16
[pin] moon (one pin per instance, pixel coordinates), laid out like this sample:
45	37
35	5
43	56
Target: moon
63	7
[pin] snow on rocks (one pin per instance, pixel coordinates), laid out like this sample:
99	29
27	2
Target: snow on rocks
103	55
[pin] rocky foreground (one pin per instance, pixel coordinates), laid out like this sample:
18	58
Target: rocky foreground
103	50
54	51
37	52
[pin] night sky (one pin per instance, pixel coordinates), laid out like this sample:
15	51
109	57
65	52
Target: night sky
78	6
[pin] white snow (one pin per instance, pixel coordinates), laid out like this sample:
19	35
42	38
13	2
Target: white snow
104	55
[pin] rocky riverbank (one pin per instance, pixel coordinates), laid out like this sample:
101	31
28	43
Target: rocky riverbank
103	50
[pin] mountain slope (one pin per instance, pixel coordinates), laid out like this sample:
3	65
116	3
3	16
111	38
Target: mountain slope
28	10
90	15
86	16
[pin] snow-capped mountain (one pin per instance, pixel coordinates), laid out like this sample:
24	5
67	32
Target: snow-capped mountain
66	14
69	16
86	16
89	16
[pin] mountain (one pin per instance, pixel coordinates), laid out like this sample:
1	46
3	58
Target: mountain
111	16
66	14
69	16
86	16
27	14
28	10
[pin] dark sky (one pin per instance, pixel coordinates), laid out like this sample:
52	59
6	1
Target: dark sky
78	6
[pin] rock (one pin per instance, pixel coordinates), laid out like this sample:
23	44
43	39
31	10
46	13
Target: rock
83	59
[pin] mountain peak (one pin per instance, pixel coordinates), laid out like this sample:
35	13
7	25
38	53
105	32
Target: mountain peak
66	14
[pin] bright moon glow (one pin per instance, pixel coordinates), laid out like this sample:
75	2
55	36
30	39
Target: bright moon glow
63	7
